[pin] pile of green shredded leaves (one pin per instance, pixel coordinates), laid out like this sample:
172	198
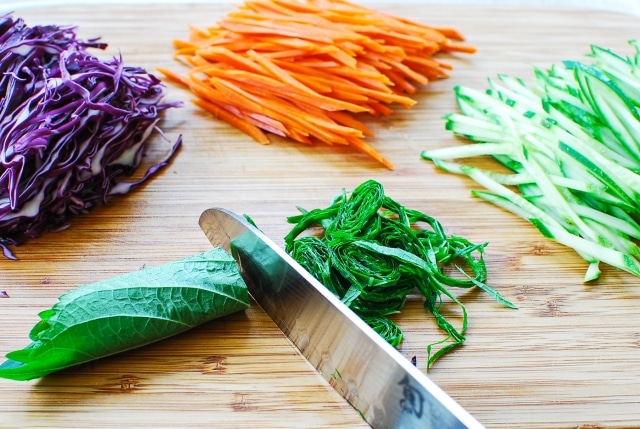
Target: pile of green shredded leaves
372	253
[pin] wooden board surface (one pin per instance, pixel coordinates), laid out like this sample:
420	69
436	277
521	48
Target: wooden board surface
569	357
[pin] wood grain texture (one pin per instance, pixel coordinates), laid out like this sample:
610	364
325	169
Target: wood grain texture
569	357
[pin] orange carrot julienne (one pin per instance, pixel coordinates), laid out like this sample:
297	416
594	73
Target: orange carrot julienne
401	83
378	108
371	94
243	125
300	69
331	132
327	102
350	121
368	150
295	6
173	76
450	33
225	56
458	48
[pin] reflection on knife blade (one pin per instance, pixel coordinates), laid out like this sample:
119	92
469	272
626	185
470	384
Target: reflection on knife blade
387	390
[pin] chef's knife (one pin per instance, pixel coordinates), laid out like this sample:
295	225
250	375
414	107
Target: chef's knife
381	384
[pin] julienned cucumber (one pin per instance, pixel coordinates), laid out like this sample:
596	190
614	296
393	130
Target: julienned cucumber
571	141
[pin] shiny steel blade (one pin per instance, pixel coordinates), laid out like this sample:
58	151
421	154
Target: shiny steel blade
380	383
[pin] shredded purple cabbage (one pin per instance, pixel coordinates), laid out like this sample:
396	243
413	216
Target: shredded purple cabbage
71	127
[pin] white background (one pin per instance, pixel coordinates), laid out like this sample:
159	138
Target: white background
631	7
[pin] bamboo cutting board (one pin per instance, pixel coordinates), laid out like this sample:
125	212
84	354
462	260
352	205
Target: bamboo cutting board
568	358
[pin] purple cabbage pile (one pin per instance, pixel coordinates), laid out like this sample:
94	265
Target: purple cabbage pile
72	128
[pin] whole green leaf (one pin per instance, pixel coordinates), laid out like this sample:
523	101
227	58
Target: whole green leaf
130	311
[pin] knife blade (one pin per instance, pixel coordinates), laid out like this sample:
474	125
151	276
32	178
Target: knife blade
381	384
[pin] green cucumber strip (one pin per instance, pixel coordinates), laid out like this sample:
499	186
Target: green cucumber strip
593	272
583	246
615	239
467	151
501	190
628	227
622	182
517	209
622	71
611	257
611	105
475	129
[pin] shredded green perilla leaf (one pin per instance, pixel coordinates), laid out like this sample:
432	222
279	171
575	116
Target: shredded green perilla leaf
373	252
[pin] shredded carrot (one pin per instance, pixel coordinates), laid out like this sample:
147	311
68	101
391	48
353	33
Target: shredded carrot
245	126
301	69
